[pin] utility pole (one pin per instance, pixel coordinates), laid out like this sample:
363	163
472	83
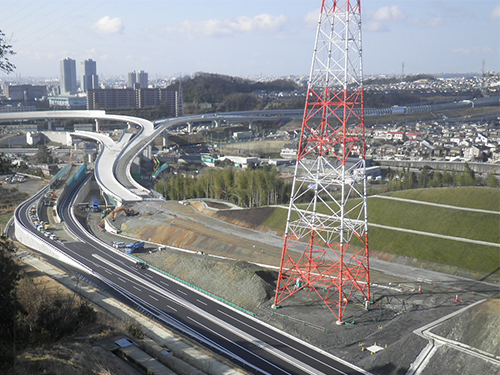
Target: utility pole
325	246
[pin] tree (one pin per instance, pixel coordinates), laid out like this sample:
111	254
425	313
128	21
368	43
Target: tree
491	181
469	176
5	50
425	176
44	155
5	165
9	276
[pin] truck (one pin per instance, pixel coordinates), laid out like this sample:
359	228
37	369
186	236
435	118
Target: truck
94	206
134	246
118	244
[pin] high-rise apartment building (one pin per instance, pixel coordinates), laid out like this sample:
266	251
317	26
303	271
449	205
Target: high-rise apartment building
142	79
90	79
137	80
68	76
132	79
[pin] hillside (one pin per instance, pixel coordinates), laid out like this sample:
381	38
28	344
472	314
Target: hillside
213	88
479	260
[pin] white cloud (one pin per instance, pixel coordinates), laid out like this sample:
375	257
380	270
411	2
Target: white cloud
379	20
495	14
311	18
217	27
108	25
393	13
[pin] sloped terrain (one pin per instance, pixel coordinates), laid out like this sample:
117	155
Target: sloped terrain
239	282
389	323
478	327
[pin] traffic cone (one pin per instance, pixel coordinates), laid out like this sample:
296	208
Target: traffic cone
456	298
419	289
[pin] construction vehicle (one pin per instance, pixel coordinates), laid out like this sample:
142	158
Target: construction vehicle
128	212
134	246
95	206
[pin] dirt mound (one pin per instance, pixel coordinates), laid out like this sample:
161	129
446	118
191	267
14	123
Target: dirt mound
241	283
238	282
246	218
477	327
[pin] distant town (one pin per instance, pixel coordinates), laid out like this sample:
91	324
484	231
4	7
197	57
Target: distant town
423	117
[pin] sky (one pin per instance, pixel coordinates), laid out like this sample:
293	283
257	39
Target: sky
246	38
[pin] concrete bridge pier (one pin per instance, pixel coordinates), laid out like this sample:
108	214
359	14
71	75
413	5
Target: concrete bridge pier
97	127
91	157
165	138
148	152
135	167
49	124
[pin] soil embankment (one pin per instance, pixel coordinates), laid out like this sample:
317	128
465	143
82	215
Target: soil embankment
236	280
464	328
239	282
390	322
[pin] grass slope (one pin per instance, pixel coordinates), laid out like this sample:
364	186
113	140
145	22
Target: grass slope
458	223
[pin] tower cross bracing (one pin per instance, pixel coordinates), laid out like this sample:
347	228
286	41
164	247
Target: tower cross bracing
325	246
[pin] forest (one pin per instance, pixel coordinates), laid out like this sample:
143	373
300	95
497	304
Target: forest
257	187
245	187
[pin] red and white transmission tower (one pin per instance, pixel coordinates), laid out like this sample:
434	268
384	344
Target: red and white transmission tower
327	214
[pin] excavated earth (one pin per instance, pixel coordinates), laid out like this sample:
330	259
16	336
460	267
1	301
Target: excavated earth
218	260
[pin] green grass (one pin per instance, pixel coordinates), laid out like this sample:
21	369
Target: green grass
474	257
470	197
450	222
4	218
277	219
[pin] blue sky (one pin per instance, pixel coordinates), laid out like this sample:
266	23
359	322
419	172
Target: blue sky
244	38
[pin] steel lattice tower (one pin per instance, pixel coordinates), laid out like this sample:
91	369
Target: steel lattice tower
326	239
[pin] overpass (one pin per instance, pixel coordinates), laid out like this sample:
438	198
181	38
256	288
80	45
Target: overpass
232	333
110	150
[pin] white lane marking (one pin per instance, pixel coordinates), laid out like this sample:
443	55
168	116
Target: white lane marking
180	291
163	282
105	270
136	288
123	281
170	307
281	342
241	347
148	275
156	299
204	303
245	336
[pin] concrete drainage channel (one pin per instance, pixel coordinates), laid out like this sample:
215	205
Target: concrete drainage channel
177	355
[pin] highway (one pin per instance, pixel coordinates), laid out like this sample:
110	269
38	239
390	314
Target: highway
257	347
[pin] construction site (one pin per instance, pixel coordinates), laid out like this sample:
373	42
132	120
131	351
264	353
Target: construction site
228	254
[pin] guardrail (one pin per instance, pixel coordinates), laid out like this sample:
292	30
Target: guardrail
26	236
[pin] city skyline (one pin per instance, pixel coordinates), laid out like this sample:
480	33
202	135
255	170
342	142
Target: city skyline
247	39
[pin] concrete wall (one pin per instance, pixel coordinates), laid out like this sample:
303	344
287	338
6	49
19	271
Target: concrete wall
27	238
59	137
451	166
